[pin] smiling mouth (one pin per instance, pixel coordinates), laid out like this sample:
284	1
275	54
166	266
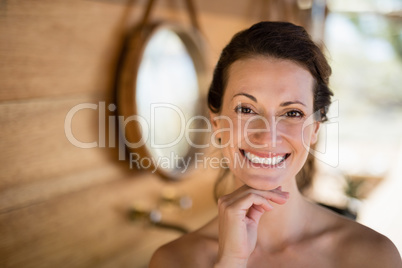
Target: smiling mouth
269	161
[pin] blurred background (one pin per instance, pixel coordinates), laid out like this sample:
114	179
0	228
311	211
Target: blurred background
65	206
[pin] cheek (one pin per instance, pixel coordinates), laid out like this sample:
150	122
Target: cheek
293	131
309	135
231	128
296	135
226	130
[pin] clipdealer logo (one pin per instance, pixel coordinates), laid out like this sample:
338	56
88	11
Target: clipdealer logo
327	151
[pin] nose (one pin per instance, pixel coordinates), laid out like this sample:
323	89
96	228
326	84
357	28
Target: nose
264	132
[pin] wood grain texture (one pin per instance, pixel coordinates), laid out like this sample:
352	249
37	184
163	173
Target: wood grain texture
87	228
28	194
58	47
34	145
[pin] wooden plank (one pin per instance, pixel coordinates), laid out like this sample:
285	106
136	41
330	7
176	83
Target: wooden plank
90	228
29	194
34	145
53	48
74	230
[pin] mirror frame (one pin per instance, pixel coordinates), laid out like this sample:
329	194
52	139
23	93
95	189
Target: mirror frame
127	85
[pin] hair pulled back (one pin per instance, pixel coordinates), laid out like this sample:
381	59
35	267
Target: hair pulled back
281	40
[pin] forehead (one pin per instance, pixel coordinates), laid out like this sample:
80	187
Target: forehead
269	77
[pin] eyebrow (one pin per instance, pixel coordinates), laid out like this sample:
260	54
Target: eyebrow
283	104
287	103
247	95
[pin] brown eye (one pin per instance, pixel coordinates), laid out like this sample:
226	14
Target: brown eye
295	114
244	110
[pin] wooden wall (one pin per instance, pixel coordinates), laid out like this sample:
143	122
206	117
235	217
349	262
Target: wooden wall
60	205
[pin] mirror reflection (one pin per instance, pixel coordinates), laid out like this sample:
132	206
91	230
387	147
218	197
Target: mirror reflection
167	92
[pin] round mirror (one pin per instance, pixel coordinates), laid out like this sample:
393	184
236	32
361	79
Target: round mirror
159	95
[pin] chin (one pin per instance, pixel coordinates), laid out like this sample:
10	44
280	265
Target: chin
264	183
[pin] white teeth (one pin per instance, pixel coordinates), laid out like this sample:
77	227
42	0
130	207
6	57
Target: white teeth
264	160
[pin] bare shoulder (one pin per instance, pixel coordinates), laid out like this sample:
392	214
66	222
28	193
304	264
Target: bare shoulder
369	247
195	249
357	245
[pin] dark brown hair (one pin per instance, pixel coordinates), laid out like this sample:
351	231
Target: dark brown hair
280	40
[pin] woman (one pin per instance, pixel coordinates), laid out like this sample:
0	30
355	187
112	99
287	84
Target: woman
268	96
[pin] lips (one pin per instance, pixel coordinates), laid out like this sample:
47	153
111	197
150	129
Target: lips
270	159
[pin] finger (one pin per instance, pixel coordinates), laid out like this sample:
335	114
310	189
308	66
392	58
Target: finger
280	191
277	195
246	188
255	212
278	198
242	205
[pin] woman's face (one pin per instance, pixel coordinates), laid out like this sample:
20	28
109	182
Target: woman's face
266	124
